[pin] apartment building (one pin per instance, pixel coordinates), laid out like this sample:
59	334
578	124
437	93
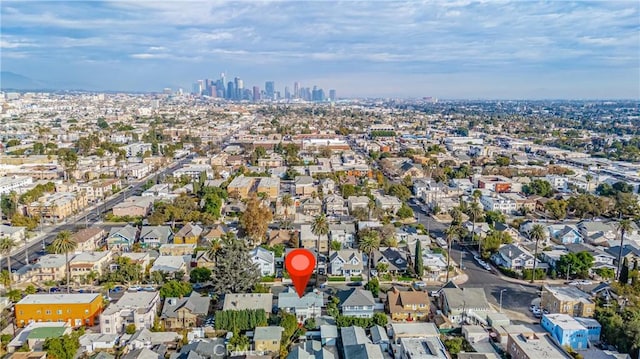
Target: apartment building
137	308
14	183
58	206
77	309
567	300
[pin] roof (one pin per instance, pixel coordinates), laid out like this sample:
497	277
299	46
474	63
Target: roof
89	257
133	300
46	332
363	351
378	334
414	330
170	263
195	303
263	254
425	348
160	232
290	299
207	348
86	234
328	331
397	300
469	298
58	298
568	293
268	333
397	259
240	301
189	230
353	335
512	251
142	353
356	297
128	232
564	321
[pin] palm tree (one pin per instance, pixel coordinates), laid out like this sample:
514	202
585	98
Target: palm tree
451	233
475	211
6	246
319	227
588	177
287	201
369	242
213	248
623	226
64	244
536	233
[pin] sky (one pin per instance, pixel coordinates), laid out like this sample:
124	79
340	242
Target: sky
446	49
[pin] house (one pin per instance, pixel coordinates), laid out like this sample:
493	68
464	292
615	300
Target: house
304	186
202	260
138	308
171	249
356	302
356	344
394	259
155	236
264	259
142	353
567	300
134	206
379	336
564	233
597	232
354	202
188	234
184	313
171	264
313	349
594	329
122	238
464	305
328	334
88	239
76	309
390	204
240	301
311	206
480	229
240	187
407	305
532	345
327	185
143	258
309	240
513	257
345	233
422	348
601	259
274	160
34	335
218	232
505	228
92	342
309	306
334	205
283	236
145	339
630	252
85	264
17	234
49	267
267	339
346	262
213	348
566	330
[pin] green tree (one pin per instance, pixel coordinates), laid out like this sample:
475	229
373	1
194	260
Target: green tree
557	208
287	202
369	241
538	187
175	289
400	191
493	217
405	211
64	347
623	278
575	264
200	275
623	226
6	246
536	233
63	244
373	286
418	262
451	233
234	272
130	329
503	161
30	289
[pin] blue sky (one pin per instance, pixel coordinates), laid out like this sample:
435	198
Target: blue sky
446	49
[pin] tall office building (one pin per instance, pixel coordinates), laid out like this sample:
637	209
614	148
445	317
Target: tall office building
195	90
222	85
332	95
296	90
239	86
269	88
287	94
231	90
256	93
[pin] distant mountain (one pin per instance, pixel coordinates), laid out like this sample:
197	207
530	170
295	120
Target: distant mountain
14	81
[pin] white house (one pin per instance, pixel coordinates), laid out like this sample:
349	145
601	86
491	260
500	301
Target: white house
264	259
513	257
346	262
137	308
309	306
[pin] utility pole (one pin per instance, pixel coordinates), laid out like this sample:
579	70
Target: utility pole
502	291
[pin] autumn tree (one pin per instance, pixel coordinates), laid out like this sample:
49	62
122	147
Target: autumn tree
255	220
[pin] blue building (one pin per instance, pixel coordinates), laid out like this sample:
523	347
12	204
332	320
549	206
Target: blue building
566	330
593	328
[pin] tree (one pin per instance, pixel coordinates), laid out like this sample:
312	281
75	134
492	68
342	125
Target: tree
287	201
493	217
30	289
623	278
373	286
503	161
453	345
319	227
451	233
405	211
130	329
200	275
475	211
536	234
623	226
310	324
577	264
369	242
175	289
493	241
255	220
63	244
538	187
400	191
557	208
360	213
6	246
212	204
64	347
336	245
418	263
234	272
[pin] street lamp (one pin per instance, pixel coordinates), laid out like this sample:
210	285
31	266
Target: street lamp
502	291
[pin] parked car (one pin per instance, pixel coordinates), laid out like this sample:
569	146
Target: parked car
354	284
149	289
134	289
434	293
419	285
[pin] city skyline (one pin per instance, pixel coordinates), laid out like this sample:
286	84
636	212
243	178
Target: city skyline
382	49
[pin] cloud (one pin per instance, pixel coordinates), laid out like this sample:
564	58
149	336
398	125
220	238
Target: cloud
188	40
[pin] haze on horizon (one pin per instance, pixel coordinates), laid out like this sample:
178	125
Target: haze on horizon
452	49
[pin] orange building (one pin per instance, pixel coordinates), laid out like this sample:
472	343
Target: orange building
76	309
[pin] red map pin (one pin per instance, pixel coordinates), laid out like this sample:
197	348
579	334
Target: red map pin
300	264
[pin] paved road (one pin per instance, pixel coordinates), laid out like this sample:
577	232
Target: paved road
36	250
517	297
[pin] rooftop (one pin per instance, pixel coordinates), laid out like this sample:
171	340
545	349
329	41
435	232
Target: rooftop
72	298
